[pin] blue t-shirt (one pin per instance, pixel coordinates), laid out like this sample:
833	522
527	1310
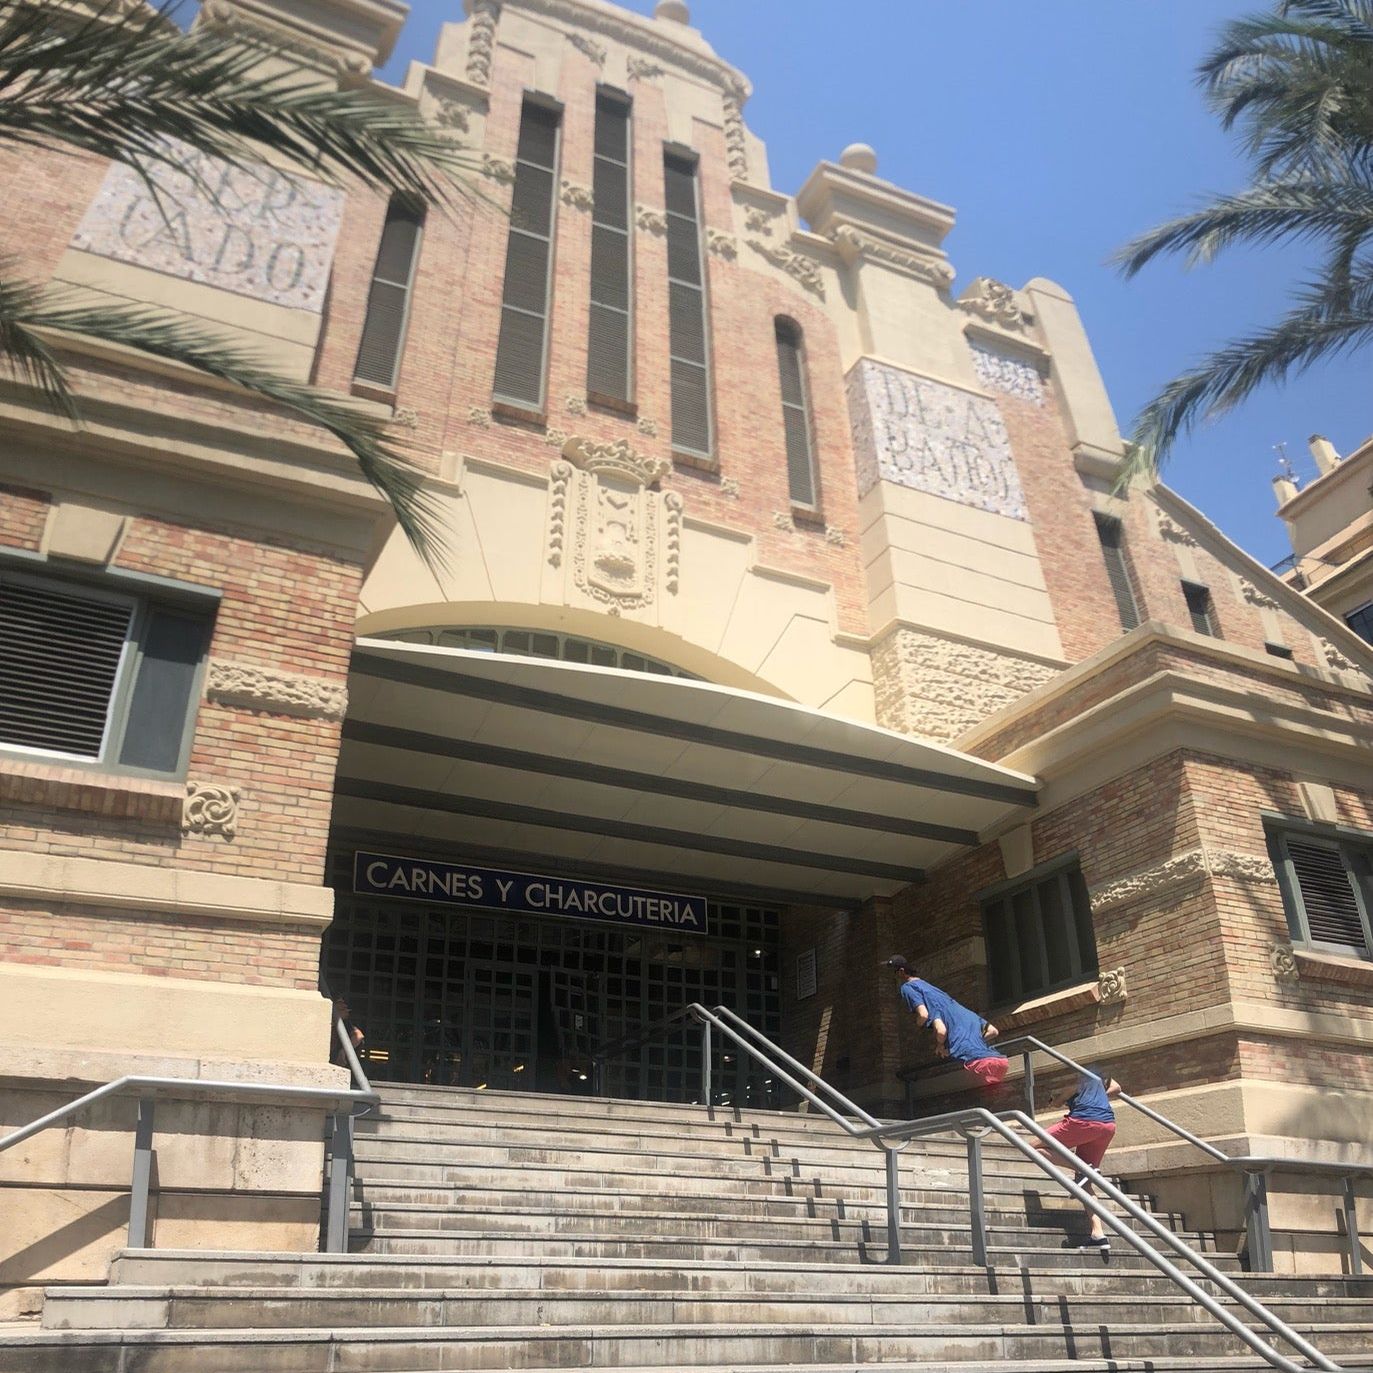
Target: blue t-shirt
964	1027
1090	1101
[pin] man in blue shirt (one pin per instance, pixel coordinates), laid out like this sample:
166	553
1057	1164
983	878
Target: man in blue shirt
960	1034
1087	1130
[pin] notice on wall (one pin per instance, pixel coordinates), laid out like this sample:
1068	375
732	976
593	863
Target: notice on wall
249	229
525	893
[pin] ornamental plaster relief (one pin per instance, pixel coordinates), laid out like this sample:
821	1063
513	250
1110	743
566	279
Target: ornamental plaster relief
1283	961
210	808
939	688
1111	988
995	302
931	437
802	268
854	245
1011	376
1180	871
616	539
588	47
279	693
481	41
736	141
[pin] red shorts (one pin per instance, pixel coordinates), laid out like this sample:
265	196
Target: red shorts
989	1071
1088	1139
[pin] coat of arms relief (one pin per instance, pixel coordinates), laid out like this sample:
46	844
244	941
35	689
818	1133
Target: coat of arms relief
618	538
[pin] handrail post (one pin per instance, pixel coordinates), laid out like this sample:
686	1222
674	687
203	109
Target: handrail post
1256	1222
140	1188
893	1205
707	1073
1030	1080
1351	1227
977	1206
340	1174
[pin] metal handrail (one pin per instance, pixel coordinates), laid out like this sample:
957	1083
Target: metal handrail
973	1124
1254	1167
150	1088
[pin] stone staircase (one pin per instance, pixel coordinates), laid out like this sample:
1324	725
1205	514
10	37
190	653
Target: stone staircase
516	1231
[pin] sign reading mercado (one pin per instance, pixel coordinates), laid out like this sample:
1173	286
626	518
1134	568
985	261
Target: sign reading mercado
524	893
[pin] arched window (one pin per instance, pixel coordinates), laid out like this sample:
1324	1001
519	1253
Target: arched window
388	302
796	416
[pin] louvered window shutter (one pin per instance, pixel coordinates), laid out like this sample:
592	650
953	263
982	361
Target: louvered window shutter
60	654
388	301
1329	900
608	367
1200	608
521	351
1112	536
795	415
688	346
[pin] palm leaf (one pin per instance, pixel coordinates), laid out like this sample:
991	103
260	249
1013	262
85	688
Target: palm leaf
26	310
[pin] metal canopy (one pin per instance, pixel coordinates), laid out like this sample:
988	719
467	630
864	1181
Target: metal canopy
592	771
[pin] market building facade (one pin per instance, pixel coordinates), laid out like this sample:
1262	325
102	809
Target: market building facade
792	618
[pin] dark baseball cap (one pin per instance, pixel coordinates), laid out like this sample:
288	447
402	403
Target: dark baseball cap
897	963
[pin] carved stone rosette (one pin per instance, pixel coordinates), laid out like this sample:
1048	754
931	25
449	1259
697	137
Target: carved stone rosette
620	539
210	808
1284	963
1111	986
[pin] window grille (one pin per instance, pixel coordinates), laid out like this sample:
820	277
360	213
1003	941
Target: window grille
97	676
688	345
1361	622
1327	885
609	366
388	301
1039	934
1111	534
1201	609
796	421
568	648
522	350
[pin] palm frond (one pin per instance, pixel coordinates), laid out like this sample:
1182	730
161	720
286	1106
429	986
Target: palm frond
1324	325
25	310
121	82
24	352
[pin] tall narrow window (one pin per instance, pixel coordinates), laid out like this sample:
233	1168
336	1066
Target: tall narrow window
1112	535
388	302
1361	622
796	416
688	345
1201	610
608	368
523	348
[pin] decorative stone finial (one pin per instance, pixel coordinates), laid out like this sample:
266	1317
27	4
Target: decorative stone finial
859	157
675	10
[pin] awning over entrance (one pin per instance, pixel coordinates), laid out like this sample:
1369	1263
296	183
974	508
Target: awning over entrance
527	762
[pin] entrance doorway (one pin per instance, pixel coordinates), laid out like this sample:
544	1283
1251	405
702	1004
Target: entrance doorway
459	997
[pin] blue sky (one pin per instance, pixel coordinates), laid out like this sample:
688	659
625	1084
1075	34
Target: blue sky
1058	129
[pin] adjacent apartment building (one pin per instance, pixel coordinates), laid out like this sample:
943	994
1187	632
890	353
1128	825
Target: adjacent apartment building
792	619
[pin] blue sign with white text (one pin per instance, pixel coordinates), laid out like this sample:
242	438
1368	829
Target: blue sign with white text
525	893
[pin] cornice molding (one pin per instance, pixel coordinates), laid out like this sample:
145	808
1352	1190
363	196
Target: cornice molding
854	245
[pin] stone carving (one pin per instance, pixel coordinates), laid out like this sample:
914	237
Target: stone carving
1243	867
722	244
559	478
450	114
1334	658
601	504
1284	963
1111	986
995	302
805	269
641	69
736	142
210	808
854	243
1179	871
589	46
249	229
576	404
782	520
672	570
729	486
498	169
406	416
938	688
1255	597
1011	376
758	221
280	693
575	196
835	536
647	426
654	221
931	437
1171	530
555	438
481	41
479	416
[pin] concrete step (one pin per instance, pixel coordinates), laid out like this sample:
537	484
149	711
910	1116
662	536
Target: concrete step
193	1307
415	1349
